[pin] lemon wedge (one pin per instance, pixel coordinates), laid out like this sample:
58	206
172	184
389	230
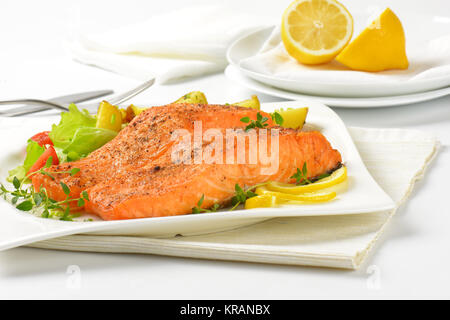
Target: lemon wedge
379	47
273	194
336	177
315	31
262	201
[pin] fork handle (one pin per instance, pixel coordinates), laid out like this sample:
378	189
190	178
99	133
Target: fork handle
25	111
36	102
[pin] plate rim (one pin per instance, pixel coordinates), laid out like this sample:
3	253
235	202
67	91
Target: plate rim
339	102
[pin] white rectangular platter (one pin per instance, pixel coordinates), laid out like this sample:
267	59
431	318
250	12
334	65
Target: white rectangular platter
17	228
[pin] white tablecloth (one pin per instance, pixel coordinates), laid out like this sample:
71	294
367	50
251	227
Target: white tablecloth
396	158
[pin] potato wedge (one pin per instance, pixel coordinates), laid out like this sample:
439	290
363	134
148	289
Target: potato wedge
253	103
293	118
123	112
132	111
109	117
193	97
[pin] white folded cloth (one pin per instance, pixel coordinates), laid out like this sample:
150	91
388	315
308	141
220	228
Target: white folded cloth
188	42
396	158
428	60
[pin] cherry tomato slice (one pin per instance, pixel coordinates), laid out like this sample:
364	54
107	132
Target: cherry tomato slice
40	162
42	138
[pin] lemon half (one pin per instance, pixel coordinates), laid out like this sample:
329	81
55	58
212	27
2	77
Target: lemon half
315	31
381	46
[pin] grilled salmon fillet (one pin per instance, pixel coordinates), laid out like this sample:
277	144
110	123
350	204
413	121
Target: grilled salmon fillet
145	141
176	189
134	176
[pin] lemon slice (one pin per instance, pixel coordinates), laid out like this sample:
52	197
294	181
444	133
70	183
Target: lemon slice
315	31
304	197
380	46
262	201
336	177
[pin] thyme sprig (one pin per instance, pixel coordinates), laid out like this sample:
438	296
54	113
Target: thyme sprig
198	209
241	196
25	198
301	176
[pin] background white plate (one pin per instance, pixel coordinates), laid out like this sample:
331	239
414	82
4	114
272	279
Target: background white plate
235	74
19	228
418	35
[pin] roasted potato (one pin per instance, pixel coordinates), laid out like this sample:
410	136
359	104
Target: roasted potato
293	118
193	97
109	117
133	111
250	103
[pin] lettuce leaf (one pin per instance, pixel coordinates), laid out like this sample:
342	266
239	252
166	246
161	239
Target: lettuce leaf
87	139
18	172
34	151
63	133
74	137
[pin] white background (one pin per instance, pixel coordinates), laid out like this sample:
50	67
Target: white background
412	259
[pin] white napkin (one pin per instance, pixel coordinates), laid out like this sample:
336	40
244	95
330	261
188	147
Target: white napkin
396	159
188	42
428	59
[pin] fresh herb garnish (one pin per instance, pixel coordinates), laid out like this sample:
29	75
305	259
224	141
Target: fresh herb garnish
84	195
277	118
323	175
260	122
74	171
241	196
301	176
65	188
198	209
26	198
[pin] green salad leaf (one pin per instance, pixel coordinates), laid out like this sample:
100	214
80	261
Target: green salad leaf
87	139
63	133
34	151
76	135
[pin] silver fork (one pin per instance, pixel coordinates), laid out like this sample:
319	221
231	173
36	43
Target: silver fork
48	104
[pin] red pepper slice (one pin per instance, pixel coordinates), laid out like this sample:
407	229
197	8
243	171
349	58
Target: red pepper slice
42	138
40	162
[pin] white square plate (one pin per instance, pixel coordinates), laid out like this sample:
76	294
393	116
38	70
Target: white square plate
20	228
